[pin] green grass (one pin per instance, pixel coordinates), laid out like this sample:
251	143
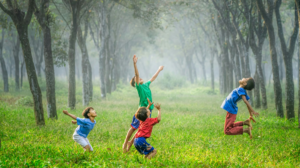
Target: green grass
190	133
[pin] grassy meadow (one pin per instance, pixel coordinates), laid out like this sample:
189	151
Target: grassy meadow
190	133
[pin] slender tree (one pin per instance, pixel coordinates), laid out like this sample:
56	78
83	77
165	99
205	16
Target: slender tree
288	53
276	81
21	22
85	64
297	2
44	18
3	66
256	26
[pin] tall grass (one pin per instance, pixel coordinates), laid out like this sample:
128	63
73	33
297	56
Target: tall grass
190	133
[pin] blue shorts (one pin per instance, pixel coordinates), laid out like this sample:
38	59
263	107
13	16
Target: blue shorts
142	145
136	123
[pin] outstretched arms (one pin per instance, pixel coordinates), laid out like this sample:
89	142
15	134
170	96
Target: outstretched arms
250	109
137	77
156	74
71	115
157	106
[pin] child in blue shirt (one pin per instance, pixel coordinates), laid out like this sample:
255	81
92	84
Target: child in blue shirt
84	127
230	105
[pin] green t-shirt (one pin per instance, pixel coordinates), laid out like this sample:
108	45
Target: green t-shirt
144	93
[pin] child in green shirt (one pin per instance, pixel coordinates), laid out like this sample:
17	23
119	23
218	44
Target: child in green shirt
144	93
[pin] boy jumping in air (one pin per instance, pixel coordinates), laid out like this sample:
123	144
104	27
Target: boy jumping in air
144	92
229	104
84	127
145	130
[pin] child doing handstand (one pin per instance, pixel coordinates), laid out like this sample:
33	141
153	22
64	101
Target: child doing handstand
145	130
84	127
144	92
230	105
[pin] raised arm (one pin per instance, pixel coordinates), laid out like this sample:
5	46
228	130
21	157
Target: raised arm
250	109
156	74
136	72
157	106
71	115
149	103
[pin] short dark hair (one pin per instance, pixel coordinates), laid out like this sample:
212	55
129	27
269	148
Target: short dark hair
86	111
132	82
250	84
141	113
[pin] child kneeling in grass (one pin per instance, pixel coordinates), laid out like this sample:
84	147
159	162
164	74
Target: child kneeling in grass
145	130
230	105
84	127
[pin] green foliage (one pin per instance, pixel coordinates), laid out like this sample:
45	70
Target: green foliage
60	56
25	101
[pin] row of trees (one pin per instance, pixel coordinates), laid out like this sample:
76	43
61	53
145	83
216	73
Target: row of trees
237	26
233	32
103	20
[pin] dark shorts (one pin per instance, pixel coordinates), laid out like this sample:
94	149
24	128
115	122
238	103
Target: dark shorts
136	123
142	146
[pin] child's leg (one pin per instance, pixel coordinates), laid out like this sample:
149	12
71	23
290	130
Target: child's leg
151	154
248	131
134	125
129	133
248	122
88	147
129	144
232	128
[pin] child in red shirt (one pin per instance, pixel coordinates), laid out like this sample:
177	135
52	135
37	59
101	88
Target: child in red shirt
145	130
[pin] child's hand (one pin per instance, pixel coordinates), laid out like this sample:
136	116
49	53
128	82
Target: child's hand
65	112
149	103
134	59
74	122
161	68
157	106
254	113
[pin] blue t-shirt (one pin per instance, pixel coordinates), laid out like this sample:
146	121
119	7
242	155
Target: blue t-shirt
229	104
85	125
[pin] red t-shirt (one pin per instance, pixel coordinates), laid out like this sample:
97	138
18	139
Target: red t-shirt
145	127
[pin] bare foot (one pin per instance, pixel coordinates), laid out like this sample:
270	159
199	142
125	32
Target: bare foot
251	118
124	147
248	122
248	131
151	154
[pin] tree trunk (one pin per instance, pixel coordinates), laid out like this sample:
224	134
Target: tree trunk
84	67
257	89
238	64
91	81
108	68
275	70
16	51
298	12
288	53
31	74
71	60
50	74
3	66
22	72
102	53
212	71
289	88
